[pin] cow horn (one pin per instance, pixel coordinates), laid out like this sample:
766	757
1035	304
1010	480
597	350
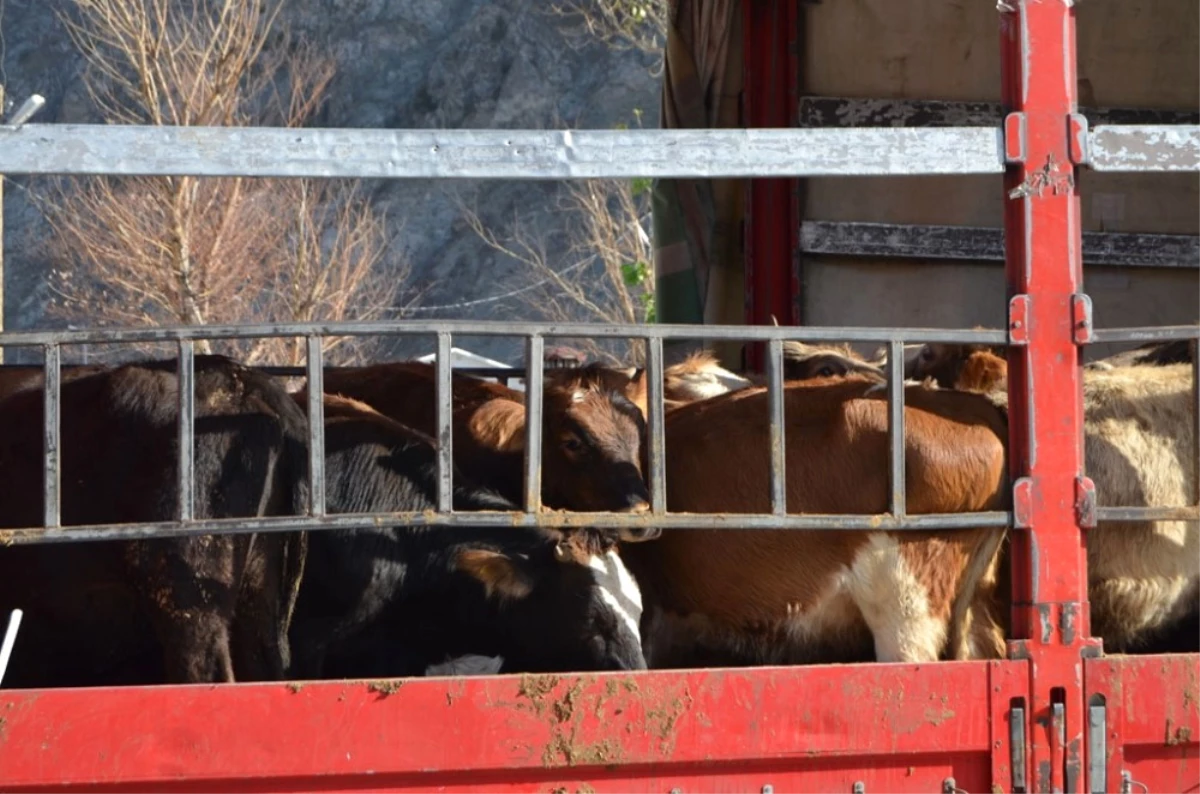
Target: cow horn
774	322
560	552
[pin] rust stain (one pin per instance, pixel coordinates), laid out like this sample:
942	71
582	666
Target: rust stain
384	688
295	687
1181	735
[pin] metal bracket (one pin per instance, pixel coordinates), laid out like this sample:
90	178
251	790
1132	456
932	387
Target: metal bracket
1081	318
1018	320
1014	138
26	111
1078	141
1022	502
1016	746
1085	502
1097	741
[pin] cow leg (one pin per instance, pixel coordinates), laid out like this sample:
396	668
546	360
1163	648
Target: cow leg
187	588
894	603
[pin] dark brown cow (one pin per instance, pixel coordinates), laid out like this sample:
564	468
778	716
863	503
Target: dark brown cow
592	433
755	597
195	609
20	377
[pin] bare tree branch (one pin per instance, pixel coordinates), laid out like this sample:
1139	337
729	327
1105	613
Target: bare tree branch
185	250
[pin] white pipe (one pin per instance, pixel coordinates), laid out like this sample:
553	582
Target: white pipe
10	639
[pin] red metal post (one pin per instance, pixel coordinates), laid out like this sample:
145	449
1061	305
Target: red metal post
772	223
1044	275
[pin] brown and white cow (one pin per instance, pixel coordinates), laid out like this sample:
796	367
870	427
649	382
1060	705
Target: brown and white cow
591	453
734	597
1143	577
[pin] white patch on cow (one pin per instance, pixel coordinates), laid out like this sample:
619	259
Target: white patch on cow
894	603
712	381
618	589
577	396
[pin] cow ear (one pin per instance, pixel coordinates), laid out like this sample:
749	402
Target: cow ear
637	391
499	425
499	574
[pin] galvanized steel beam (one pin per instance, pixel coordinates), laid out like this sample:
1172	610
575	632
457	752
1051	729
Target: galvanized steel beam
495	154
1150	147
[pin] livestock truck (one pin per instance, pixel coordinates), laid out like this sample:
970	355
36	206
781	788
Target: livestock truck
1058	714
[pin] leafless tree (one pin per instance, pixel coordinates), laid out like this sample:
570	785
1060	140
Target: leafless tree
621	24
604	274
193	251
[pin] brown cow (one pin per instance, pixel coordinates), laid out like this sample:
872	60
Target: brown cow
766	597
1143	577
591	459
194	609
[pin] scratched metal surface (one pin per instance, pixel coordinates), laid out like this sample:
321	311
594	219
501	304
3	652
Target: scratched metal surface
1146	148
495	154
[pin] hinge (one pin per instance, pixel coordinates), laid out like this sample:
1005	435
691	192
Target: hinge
1078	141
1016	747
1081	318
1085	502
1022	502
1018	320
1014	138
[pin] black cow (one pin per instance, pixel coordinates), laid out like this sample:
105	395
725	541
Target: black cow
193	609
391	601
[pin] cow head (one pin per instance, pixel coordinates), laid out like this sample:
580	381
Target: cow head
805	362
568	604
977	368
591	443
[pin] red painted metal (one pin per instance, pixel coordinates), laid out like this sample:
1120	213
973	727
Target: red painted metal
892	727
1044	273
1153	720
772	217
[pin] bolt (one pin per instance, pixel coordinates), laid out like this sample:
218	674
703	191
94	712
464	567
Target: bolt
768	789
859	787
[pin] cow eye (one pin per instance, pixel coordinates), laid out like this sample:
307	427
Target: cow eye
825	372
572	444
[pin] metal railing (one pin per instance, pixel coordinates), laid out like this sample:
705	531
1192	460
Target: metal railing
1143	335
897	518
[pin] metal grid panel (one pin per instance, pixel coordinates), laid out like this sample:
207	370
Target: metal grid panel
896	519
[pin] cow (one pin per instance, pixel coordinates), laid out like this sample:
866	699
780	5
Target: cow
700	376
592	433
17	378
192	609
1143	577
737	597
395	600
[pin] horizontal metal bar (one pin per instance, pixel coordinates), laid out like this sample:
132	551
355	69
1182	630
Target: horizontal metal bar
727	521
1148	147
752	333
984	244
1191	513
828	111
495	154
1160	333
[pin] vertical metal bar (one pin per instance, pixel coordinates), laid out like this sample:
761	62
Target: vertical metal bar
778	438
445	430
10	635
1195	346
655	427
51	401
186	376
1097	748
896	446
315	376
535	351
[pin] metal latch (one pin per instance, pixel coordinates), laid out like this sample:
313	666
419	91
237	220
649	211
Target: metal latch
1016	747
1097	743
